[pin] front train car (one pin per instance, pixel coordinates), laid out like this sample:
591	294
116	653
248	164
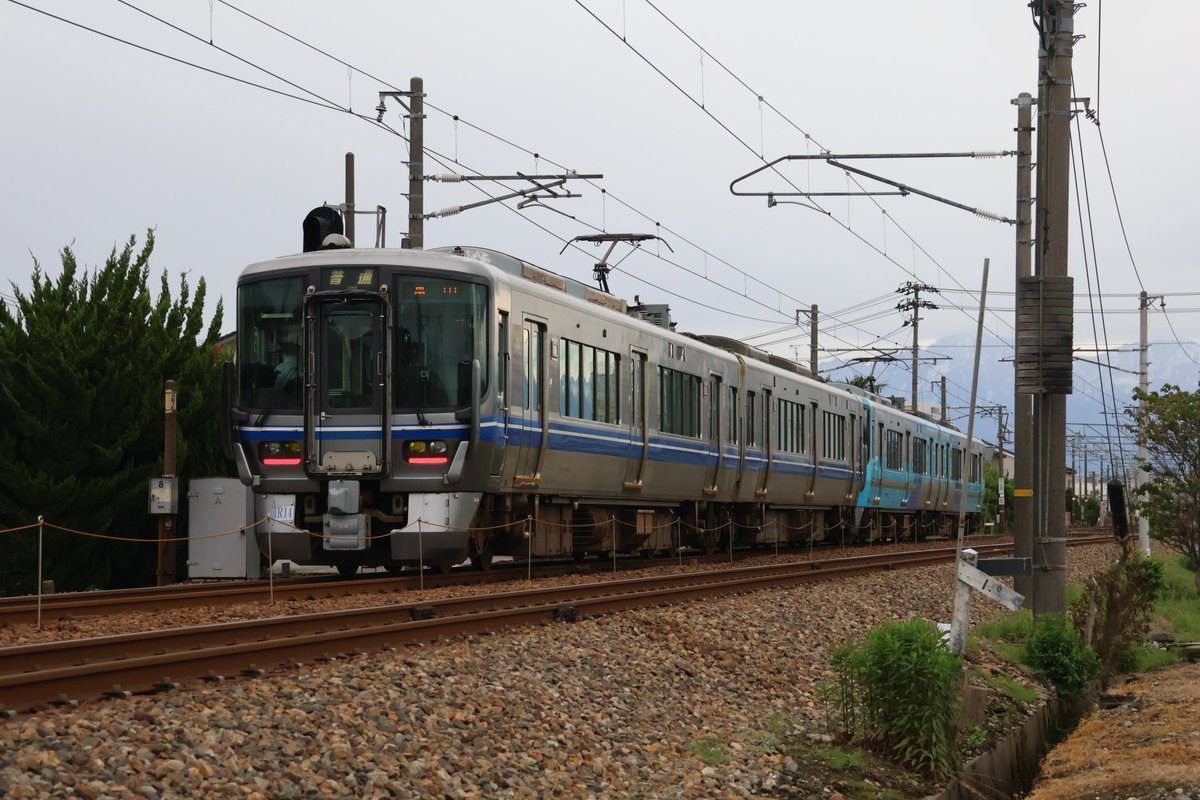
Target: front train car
357	401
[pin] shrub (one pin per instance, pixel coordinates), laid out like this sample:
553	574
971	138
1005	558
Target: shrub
1116	608
900	691
1055	652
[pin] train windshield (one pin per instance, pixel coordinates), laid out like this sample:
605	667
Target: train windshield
269	341
439	331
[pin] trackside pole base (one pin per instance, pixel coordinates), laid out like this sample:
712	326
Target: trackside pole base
961	618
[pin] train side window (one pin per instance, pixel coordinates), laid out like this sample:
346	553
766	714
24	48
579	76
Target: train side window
751	433
800	429
532	336
587	381
834	426
525	356
791	426
733	415
637	380
679	402
895	451
766	427
714	409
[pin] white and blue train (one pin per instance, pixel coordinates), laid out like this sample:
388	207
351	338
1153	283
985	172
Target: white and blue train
394	407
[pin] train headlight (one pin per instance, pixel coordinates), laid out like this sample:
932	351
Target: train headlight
279	454
425	452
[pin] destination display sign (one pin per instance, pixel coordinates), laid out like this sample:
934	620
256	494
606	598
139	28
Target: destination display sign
348	278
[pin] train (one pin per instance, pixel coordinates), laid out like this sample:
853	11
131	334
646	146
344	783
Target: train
397	408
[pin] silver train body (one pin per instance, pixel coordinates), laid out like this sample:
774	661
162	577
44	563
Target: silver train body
396	407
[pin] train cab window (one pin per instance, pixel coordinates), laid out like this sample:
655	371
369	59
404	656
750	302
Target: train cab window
269	346
349	346
440	330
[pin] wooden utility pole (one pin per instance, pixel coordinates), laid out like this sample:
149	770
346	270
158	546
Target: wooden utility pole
1023	455
165	573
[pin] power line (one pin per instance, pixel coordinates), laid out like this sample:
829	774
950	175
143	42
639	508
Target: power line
692	272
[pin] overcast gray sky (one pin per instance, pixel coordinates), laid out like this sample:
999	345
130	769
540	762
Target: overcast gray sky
102	140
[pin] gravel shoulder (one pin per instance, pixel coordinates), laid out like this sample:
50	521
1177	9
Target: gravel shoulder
1147	746
616	706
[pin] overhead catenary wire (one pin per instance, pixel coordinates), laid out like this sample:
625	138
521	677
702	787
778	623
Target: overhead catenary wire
1081	195
751	149
337	107
458	119
808	138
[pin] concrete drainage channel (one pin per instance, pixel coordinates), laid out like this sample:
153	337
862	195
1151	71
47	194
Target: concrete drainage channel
1011	767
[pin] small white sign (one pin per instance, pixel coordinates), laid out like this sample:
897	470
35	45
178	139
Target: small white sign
281	508
989	586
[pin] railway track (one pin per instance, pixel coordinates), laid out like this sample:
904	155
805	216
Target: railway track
68	671
24	609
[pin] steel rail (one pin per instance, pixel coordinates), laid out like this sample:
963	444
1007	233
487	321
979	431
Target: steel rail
24	609
31	675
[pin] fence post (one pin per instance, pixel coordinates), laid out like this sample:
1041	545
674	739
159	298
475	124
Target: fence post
270	557
420	557
41	522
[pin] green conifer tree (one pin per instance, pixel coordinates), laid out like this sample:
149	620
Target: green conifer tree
82	362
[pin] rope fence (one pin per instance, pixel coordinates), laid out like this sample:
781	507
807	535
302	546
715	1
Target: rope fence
528	523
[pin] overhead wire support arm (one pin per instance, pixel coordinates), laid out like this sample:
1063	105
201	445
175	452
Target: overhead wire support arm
903	190
541	183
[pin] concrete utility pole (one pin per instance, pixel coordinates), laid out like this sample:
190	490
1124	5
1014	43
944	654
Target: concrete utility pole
416	165
1045	322
413	102
945	418
812	341
349	215
1022	501
1001	435
1144	385
915	304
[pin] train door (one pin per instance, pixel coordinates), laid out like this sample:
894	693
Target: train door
714	433
765	441
347	417
639	446
855	457
877	490
739	424
531	431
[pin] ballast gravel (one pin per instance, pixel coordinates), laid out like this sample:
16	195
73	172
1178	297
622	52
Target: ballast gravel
681	701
